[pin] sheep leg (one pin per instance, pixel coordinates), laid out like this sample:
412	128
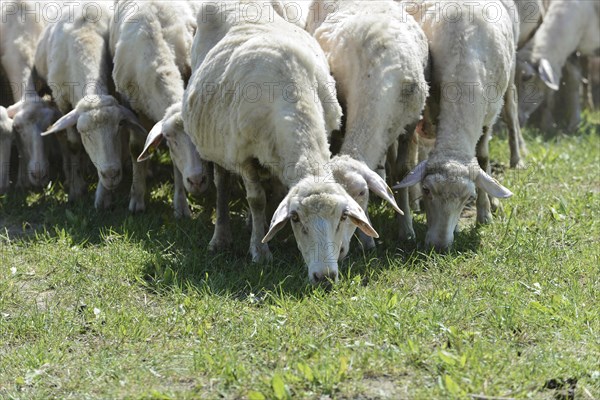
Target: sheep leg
484	214
102	198
511	117
73	163
180	203
255	194
569	95
22	173
404	164
222	235
139	172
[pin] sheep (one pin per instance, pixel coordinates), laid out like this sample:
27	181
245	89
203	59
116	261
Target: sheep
568	26
469	53
5	147
19	34
73	59
152	83
279	130
378	56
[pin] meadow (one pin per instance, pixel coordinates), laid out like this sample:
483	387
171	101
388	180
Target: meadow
108	305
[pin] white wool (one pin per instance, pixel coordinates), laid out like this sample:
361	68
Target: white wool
261	97
151	55
568	26
73	58
20	31
473	62
377	55
288	129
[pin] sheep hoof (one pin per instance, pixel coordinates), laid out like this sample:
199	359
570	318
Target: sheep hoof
219	243
517	164
407	236
102	200
261	254
484	218
136	205
182	211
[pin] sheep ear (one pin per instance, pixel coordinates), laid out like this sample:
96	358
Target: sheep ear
491	186
279	220
359	218
152	141
133	121
14	109
375	182
378	186
415	176
547	74
66	121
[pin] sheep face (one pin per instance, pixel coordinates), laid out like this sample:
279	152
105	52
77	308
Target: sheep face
101	137
30	120
102	122
186	157
321	214
6	127
447	186
530	88
445	195
183	152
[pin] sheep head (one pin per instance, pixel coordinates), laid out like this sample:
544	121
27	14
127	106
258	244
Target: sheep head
31	118
358	179
183	152
6	127
101	122
447	187
320	213
535	80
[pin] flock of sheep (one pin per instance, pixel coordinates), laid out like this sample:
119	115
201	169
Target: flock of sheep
267	90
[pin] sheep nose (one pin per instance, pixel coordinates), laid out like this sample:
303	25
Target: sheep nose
37	177
197	184
111	173
111	177
324	277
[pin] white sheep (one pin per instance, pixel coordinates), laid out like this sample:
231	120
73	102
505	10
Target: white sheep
150	42
20	31
378	55
568	26
74	61
6	137
261	100
473	59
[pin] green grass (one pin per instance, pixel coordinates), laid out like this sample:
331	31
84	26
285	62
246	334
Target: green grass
108	305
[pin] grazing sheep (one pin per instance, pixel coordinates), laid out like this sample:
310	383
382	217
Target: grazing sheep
151	54
472	61
378	56
72	58
5	147
19	34
568	26
261	102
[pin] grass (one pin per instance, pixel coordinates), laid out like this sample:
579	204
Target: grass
108	305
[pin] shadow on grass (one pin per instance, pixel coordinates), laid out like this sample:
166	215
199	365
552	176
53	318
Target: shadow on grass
177	248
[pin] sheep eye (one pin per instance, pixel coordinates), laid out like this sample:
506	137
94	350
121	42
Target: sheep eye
527	77
294	217
344	216
362	193
426	191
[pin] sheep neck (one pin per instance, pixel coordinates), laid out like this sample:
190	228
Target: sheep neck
363	137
